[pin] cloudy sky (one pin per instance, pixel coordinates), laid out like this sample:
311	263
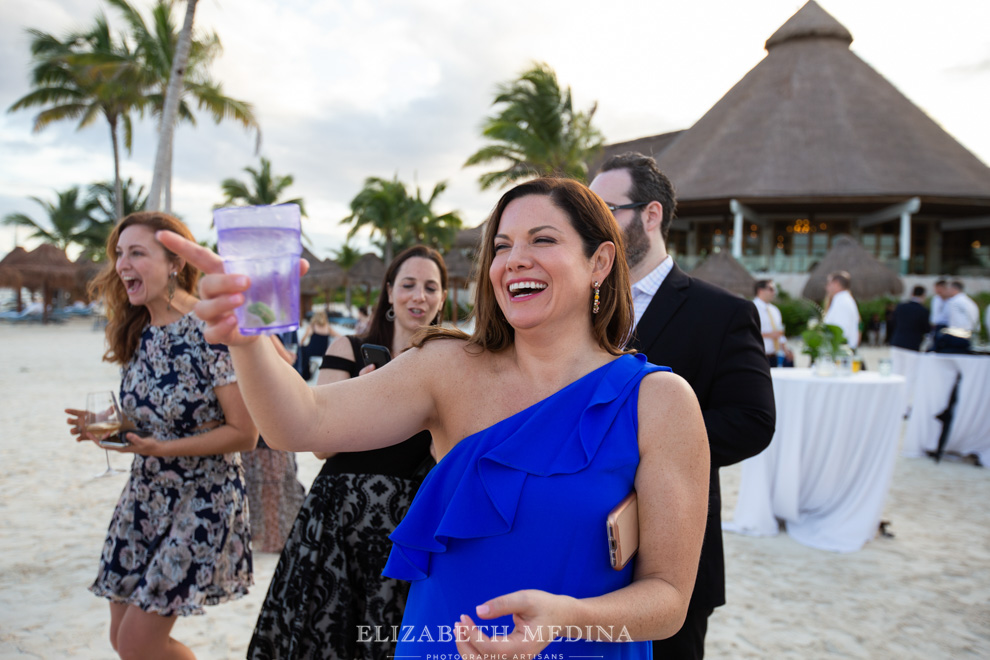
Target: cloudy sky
348	89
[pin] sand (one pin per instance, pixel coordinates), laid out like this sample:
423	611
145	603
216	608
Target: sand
923	594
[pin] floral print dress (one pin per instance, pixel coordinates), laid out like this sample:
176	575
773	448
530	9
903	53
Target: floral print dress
179	538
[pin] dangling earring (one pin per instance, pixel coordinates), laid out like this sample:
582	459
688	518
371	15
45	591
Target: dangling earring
390	314
594	307
171	288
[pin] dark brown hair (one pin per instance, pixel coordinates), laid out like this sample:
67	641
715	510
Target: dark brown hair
125	322
595	224
649	184
842	277
380	329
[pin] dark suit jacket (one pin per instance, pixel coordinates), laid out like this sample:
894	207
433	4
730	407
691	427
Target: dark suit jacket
712	339
910	325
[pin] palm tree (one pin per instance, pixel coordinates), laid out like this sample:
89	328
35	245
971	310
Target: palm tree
104	216
67	222
537	131
83	77
158	50
346	256
385	208
263	188
437	231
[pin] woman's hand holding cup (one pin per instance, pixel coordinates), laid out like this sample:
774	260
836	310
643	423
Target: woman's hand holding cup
220	294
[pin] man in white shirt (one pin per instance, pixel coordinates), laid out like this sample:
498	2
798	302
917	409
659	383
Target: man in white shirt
842	310
939	317
962	319
772	325
962	311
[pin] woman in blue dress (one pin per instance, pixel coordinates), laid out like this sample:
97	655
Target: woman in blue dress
179	538
542	423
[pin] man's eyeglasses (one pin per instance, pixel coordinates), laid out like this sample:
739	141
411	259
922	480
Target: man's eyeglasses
631	205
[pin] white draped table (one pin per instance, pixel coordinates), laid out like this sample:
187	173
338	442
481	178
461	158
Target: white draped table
827	470
932	377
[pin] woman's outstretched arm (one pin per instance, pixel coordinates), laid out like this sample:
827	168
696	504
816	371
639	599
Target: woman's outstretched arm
345	416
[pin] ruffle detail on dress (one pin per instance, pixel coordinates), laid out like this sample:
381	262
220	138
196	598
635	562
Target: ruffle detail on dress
474	491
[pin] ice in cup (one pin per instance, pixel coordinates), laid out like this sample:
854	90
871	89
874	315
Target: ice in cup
263	242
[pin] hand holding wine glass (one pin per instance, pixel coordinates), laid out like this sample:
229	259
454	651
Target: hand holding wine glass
101	422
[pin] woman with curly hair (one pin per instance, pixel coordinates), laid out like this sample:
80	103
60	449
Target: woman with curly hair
179	538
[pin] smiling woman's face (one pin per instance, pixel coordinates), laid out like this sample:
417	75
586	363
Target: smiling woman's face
142	265
417	295
539	270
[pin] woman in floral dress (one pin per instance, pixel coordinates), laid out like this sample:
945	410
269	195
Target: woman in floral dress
179	538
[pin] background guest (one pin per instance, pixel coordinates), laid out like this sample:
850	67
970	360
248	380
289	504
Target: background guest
772	325
911	321
709	337
179	536
328	580
315	341
840	307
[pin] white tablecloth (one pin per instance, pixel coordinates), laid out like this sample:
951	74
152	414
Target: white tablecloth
933	377
827	470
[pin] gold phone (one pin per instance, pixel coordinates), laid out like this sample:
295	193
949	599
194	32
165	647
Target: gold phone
623	531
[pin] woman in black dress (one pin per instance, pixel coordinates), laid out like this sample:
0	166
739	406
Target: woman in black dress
328	595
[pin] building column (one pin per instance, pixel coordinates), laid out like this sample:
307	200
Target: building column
737	233
905	242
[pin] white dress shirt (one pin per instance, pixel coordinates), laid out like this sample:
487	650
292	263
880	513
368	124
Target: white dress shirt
962	312
644	290
939	315
770	320
842	311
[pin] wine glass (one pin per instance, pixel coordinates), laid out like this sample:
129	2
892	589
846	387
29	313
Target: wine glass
103	420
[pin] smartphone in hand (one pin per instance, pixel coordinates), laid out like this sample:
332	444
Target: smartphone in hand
376	355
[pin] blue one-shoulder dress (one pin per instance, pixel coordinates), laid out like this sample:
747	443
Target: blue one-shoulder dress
522	505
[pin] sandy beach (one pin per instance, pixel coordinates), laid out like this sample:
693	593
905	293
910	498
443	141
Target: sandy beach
923	594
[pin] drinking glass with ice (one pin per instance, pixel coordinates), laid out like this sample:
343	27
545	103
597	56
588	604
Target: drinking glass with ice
263	242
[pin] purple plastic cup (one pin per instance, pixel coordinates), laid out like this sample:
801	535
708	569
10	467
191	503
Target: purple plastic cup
263	242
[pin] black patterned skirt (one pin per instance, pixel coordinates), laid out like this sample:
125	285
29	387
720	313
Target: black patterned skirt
328	581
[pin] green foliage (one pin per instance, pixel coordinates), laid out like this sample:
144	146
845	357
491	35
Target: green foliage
877	306
537	132
263	188
821	340
399	219
795	313
155	49
67	220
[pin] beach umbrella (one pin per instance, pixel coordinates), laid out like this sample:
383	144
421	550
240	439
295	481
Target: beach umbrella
722	269
86	272
368	270
47	268
870	278
460	272
470	238
9	261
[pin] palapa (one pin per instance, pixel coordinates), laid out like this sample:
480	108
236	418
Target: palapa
470	238
46	268
323	276
721	269
9	261
869	278
812	127
460	272
368	270
86	272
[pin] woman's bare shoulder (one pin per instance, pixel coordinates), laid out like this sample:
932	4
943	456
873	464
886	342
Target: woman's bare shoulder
668	409
341	347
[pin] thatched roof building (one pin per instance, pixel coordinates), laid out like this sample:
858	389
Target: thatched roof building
722	270
814	138
868	277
